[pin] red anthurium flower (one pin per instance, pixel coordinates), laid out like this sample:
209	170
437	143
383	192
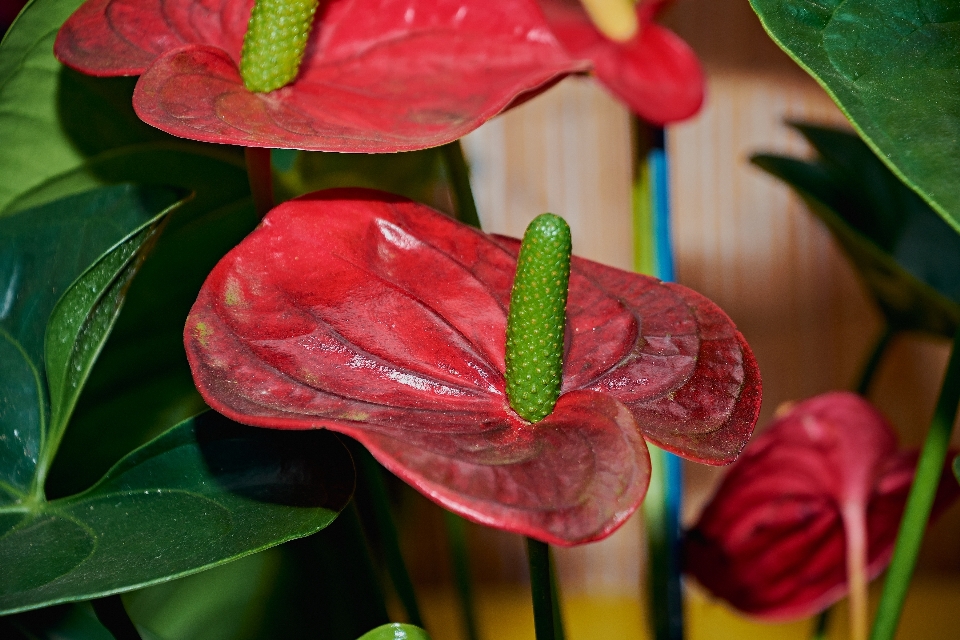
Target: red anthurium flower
822	482
655	73
382	76
379	318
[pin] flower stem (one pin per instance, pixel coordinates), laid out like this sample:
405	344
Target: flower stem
855	529
113	615
259	173
820	627
456	533
559	633
920	501
389	540
876	357
459	174
544	619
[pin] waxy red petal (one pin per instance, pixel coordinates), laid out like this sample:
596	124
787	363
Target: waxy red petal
382	319
771	541
656	74
376	77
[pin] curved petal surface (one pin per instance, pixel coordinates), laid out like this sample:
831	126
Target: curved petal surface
382	319
655	73
401	75
772	540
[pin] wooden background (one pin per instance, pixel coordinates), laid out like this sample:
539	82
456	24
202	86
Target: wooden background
740	238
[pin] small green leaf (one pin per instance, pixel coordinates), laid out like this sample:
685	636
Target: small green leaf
907	256
396	631
202	494
893	67
537	318
42	251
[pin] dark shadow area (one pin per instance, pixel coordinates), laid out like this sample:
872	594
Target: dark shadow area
292	468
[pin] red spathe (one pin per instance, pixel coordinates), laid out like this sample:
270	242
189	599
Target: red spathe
377	317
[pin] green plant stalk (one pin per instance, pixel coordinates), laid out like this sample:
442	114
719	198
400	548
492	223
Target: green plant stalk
260	174
920	501
544	619
389	539
456	534
820	625
458	172
559	632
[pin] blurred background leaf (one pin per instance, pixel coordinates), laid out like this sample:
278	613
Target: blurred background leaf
906	255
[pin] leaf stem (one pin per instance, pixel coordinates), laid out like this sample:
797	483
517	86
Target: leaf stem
538	556
872	364
920	501
259	173
459	174
456	534
113	615
389	540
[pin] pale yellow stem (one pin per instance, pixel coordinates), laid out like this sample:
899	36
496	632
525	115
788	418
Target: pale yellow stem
855	527
616	19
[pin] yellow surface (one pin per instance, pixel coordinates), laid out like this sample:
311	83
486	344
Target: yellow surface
932	613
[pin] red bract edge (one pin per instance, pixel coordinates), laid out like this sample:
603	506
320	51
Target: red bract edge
655	74
403	75
379	318
771	542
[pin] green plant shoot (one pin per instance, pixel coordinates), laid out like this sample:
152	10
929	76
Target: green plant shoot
274	43
535	324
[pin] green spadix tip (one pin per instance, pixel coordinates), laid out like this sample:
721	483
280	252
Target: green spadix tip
275	41
535	324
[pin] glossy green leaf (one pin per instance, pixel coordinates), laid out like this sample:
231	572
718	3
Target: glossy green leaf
143	367
396	631
203	493
49	288
893	67
907	256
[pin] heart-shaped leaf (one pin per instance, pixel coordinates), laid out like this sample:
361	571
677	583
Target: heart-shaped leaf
52	332
397	75
908	257
655	73
893	67
382	319
773	540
